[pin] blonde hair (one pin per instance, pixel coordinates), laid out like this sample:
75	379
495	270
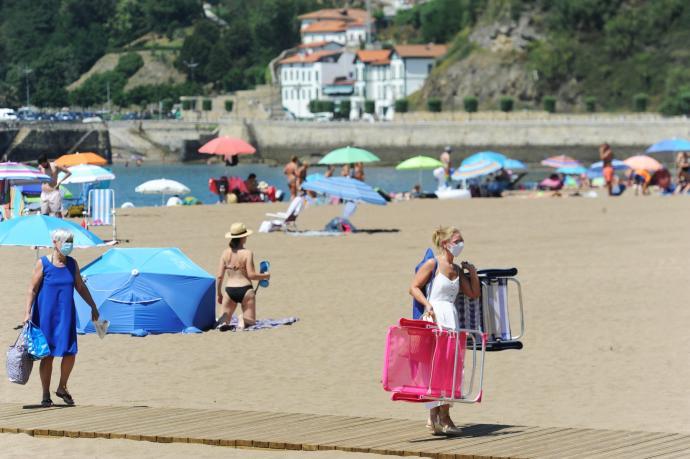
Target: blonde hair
443	234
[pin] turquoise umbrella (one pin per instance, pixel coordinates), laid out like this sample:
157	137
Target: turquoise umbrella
670	145
485	156
34	231
349	155
476	169
514	165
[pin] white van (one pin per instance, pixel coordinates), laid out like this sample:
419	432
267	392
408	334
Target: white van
7	114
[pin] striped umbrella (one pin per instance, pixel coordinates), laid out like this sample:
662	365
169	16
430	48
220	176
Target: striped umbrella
560	161
576	170
87	173
485	156
476	169
20	173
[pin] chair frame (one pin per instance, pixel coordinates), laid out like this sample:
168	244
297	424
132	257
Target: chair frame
88	212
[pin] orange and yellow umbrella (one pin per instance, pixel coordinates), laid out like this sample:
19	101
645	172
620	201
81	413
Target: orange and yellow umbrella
81	158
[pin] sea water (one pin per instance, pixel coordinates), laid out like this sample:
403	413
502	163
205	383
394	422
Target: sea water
196	176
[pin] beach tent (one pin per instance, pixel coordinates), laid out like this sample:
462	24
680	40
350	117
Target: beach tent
148	290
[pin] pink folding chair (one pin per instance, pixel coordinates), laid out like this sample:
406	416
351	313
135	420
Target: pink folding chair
424	362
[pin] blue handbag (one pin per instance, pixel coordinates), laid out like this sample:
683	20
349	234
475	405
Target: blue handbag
36	342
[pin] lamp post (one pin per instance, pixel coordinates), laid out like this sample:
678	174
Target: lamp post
191	65
27	71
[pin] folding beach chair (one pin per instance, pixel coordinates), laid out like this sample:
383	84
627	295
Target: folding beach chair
100	210
284	221
490	312
425	362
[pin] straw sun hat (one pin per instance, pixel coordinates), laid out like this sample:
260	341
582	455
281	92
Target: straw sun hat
238	230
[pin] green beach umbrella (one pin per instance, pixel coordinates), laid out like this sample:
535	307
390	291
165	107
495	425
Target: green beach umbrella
419	163
349	155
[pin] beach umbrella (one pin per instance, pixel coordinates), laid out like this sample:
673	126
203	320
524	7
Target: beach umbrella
485	156
514	165
476	169
419	163
34	231
643	162
560	161
572	170
349	155
669	146
227	146
17	173
162	187
617	164
87	173
147	290
345	188
81	158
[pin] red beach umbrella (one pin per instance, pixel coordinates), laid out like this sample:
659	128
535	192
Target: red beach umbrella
227	146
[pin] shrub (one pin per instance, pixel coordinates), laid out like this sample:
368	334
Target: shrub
549	104
401	105
506	104
369	107
640	102
327	106
207	105
129	63
434	104
591	104
228	105
344	109
471	104
188	104
314	106
166	105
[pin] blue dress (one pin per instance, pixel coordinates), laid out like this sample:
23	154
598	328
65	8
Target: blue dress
54	311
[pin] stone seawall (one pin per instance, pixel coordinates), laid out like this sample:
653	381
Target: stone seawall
25	142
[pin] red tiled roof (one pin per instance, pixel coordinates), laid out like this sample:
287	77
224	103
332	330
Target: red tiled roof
374	56
325	26
343	14
430	50
309	58
317	44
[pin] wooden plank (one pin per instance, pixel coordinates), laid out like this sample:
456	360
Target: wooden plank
578	439
500	445
645	449
624	438
520	446
339	432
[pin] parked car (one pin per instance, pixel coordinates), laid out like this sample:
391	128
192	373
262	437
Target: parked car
7	114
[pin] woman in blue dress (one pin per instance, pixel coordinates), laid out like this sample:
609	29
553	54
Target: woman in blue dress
50	306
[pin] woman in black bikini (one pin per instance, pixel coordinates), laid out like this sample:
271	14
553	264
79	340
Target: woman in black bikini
238	263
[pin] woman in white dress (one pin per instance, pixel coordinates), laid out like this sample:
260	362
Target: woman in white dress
448	280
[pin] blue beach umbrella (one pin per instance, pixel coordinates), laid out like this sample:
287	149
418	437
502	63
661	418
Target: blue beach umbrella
476	169
149	290
34	231
617	164
345	188
485	156
669	146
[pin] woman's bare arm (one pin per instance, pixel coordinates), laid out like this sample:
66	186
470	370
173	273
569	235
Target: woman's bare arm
421	278
469	284
34	287
83	291
219	278
251	271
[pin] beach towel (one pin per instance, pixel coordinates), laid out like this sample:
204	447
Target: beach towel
263	324
314	233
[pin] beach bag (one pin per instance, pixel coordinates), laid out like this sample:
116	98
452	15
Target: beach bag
19	362
417	307
36	342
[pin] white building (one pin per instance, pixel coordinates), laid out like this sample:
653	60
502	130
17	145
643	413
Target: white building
384	76
312	76
345	26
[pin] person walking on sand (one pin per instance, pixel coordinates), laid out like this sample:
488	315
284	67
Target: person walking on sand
51	199
50	306
290	171
445	159
236	271
302	172
450	279
606	157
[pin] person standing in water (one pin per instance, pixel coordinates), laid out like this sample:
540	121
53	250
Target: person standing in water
236	272
606	157
449	279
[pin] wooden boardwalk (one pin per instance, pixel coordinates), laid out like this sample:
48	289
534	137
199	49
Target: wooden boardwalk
314	432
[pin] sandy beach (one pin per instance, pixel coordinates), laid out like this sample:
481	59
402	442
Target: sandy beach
605	284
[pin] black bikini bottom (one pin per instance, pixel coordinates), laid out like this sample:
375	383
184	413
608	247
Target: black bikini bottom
236	294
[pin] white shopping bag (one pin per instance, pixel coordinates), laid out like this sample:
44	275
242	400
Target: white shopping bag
101	327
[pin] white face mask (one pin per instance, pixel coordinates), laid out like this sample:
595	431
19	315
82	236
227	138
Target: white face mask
456	249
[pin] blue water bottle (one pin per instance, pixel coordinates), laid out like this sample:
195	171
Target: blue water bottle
264	266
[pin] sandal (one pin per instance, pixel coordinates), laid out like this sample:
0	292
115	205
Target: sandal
46	402
66	397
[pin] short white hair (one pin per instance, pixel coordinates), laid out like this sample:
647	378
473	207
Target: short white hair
61	235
